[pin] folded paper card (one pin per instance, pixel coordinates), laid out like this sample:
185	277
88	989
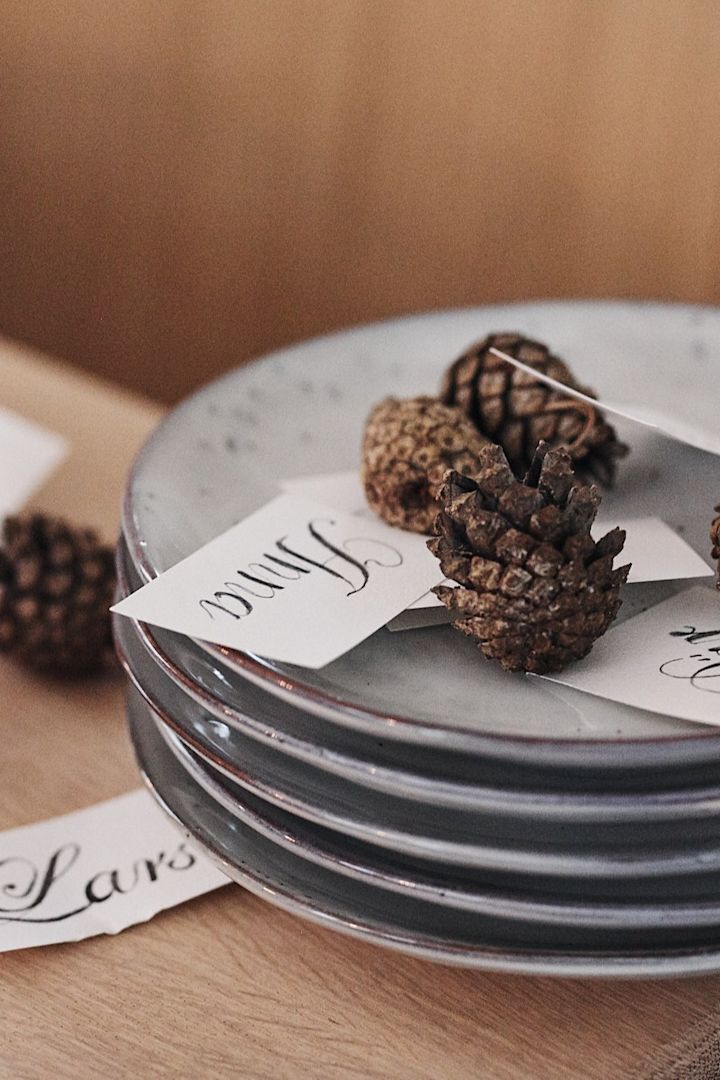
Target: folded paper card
655	551
95	871
666	660
673	426
28	454
294	582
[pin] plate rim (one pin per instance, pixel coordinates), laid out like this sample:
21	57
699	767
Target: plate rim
478	856
645	806
556	963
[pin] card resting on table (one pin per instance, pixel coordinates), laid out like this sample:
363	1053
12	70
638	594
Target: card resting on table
28	455
294	582
95	871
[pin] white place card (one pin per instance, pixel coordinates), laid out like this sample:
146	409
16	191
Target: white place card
655	550
95	871
294	582
28	455
666	660
661	421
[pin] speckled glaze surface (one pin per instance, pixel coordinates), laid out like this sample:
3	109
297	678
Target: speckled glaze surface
221	454
408	923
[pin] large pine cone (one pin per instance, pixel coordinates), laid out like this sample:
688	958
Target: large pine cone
535	590
407	449
516	411
56	588
715	538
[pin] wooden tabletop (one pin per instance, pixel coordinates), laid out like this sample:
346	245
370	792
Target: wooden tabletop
228	985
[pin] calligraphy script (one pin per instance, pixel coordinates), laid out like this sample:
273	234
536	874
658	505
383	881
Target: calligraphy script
295	582
287	564
28	888
701	667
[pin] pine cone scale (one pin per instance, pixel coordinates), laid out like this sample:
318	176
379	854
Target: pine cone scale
511	407
536	600
56	588
408	447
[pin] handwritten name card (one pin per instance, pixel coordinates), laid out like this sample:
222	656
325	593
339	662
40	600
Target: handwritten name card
95	871
666	660
294	582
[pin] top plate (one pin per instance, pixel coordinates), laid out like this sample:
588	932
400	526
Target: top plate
221	454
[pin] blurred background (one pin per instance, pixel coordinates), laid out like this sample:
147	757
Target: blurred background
188	183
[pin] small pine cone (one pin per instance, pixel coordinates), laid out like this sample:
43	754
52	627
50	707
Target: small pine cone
715	538
407	449
518	412
535	590
56	588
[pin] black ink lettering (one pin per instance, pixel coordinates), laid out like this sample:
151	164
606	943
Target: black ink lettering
231	591
282	546
342	555
59	864
152	866
183	859
259	581
288	566
697	667
693	636
376	562
207	604
98	890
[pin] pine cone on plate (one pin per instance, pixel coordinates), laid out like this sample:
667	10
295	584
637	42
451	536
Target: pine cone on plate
407	448
535	590
56	588
715	538
516	411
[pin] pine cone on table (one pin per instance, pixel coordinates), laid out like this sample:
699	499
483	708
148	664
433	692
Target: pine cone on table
407	448
56	588
715	538
513	409
535	590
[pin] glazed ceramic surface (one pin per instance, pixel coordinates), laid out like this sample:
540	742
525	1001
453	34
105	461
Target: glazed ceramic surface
429	881
221	454
429	776
407	923
520	845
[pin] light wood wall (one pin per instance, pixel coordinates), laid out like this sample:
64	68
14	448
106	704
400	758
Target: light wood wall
187	183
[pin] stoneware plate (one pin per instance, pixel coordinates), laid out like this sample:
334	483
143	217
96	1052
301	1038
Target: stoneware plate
365	911
430	882
407	771
482	842
219	456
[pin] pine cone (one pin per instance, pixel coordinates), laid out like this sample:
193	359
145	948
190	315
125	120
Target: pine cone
56	588
407	449
535	590
715	538
513	409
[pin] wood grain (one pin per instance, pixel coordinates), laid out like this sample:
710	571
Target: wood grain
228	986
186	185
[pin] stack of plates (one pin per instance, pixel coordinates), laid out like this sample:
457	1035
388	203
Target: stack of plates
411	793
